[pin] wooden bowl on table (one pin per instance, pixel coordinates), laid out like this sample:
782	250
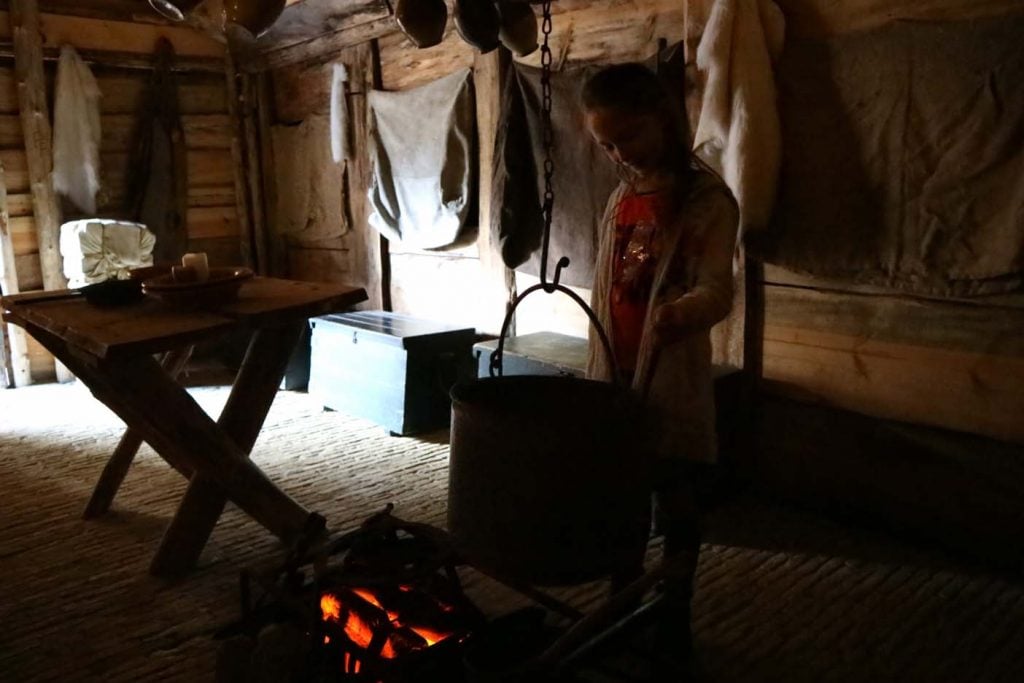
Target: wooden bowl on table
220	288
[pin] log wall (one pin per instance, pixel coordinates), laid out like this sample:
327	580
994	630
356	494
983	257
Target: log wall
299	94
118	53
954	364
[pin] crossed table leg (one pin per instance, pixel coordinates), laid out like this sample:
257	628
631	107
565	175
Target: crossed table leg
160	411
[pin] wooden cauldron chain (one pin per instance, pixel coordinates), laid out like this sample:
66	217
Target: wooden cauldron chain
547	138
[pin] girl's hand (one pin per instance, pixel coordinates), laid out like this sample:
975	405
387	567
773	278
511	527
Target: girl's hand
670	322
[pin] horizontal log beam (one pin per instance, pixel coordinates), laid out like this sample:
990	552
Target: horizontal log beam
951	365
321	48
88	34
125	60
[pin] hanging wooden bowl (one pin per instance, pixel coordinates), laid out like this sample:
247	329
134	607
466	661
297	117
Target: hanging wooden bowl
255	16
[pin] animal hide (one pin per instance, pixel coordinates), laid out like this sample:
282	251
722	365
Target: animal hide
76	132
738	130
157	186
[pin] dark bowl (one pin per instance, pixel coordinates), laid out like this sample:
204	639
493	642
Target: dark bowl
113	292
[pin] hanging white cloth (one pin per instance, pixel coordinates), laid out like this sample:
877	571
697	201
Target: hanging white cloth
738	131
421	145
339	114
76	134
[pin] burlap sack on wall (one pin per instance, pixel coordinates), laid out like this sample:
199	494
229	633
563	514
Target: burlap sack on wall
903	158
309	185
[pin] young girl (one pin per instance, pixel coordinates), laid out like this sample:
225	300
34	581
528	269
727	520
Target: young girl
663	279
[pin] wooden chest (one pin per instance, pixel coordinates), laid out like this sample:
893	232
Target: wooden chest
390	368
540	353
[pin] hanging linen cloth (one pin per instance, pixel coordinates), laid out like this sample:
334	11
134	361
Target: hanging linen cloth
157	185
738	130
904	162
76	132
339	114
421	151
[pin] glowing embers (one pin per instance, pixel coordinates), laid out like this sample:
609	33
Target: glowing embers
380	604
366	627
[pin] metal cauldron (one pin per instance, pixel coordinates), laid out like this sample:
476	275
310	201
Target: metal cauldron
549	477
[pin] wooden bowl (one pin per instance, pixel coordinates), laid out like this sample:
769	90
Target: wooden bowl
221	288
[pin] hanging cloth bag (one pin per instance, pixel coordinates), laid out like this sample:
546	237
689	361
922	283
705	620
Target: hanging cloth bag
421	149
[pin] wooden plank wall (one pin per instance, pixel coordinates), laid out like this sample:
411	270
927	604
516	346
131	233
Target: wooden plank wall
298	93
939	363
212	222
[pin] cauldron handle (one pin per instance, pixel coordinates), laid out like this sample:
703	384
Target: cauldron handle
496	363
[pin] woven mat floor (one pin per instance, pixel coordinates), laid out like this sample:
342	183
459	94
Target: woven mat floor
782	595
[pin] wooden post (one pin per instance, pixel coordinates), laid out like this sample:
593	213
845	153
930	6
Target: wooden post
250	105
35	123
489	72
15	344
385	246
264	119
366	243
238	160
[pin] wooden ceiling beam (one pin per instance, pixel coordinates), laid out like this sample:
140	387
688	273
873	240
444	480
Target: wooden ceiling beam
136	11
313	29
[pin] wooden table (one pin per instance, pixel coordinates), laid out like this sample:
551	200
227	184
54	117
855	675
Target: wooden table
112	351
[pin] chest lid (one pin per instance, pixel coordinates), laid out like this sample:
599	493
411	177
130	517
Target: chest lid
397	329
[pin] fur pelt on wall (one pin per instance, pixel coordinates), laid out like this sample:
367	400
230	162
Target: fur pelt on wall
738	129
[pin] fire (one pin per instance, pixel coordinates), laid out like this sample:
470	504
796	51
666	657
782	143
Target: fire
372	599
432	637
330	606
361	633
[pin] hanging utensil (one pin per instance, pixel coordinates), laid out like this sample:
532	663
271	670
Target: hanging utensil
422	21
478	23
518	30
255	16
175	10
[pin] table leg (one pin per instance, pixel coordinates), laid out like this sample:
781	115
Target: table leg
116	468
105	391
163	413
255	387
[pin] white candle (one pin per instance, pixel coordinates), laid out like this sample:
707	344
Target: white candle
198	263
